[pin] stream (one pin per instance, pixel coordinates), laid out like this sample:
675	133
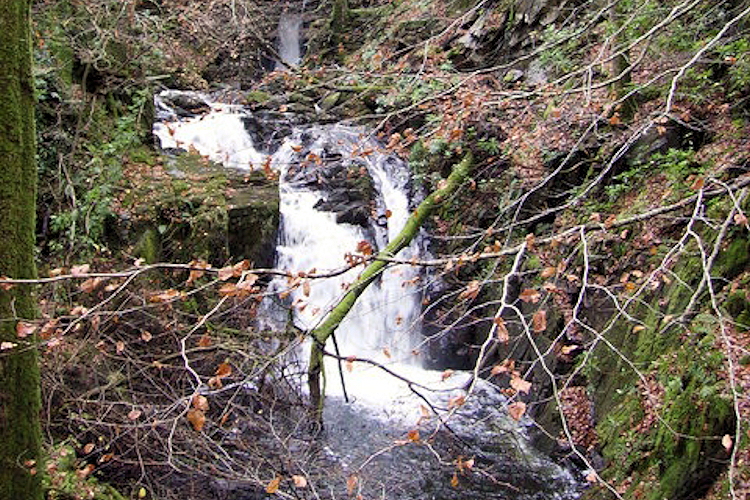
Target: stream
373	434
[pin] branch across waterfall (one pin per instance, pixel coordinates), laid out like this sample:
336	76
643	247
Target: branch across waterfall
334	318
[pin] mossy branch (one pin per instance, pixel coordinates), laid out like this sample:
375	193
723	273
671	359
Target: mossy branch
338	313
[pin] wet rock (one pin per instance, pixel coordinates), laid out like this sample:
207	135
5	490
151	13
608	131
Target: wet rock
186	104
660	139
330	101
515	28
253	219
536	75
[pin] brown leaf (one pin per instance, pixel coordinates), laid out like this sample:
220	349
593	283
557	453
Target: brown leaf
165	296
306	288
83	473
240	267
548	272
134	414
387	352
698	184
228	290
726	442
413	435
146	336
471	291
501	330
198	271
90	285
223	370
516	410
120	346
88	448
446	374
299	481
454	480
530	241
5	286
80	270
520	384
351	484
364	247
204	341
530	295
24	329
248	281
78	311
539	321
196	418
740	219
225	273
568	349
456	401
200	402
273	485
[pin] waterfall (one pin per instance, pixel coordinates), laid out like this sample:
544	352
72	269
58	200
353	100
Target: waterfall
384	325
219	135
288	42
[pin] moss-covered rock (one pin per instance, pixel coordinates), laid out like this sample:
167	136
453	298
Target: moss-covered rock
202	211
661	398
69	478
735	258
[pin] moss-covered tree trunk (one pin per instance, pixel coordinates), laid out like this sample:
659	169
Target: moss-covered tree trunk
20	402
621	67
334	318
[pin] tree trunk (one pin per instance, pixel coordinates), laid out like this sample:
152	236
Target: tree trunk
321	334
20	402
621	68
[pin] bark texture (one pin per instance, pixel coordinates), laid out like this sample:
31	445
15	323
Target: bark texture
336	316
20	435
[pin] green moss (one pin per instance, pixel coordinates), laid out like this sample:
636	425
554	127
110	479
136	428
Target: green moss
63	480
743	320
735	259
736	303
673	455
148	247
20	400
257	97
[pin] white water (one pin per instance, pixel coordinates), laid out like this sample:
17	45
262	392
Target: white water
384	325
219	135
288	43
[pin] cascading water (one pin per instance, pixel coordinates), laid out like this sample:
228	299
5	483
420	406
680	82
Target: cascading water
288	43
384	326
